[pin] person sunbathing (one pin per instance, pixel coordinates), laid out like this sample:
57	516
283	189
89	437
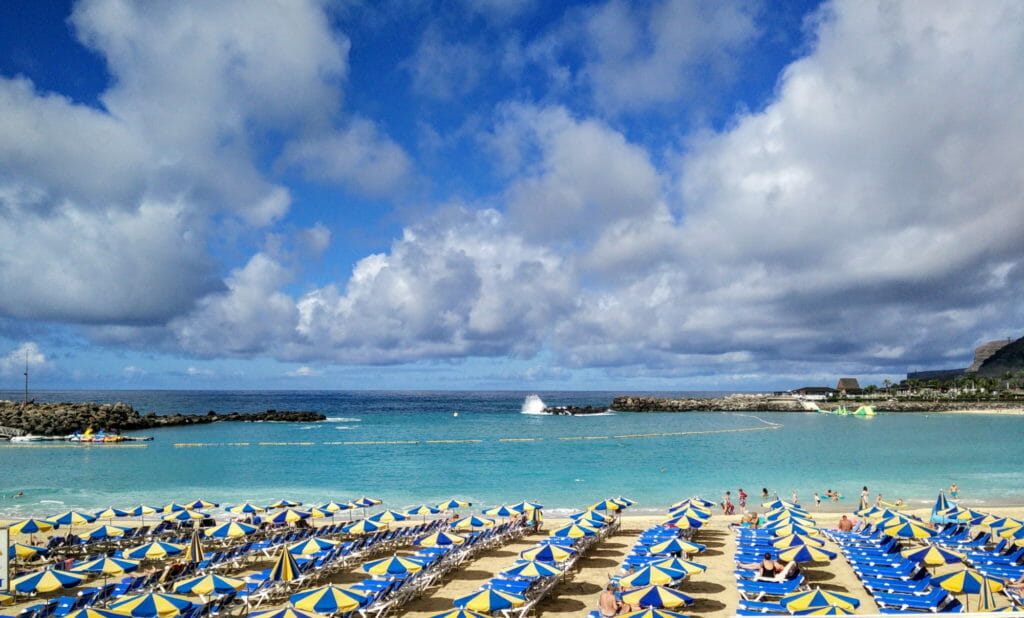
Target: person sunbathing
845	525
768	569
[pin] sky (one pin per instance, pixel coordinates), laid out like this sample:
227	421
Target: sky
506	194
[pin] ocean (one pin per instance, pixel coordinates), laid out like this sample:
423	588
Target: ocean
423	447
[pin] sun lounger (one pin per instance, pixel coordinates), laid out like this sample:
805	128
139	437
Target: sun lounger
933	601
905	570
752	590
910	586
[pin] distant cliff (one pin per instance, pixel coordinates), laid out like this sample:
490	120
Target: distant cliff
1007	359
55	419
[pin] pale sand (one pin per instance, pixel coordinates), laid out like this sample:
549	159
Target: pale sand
714	591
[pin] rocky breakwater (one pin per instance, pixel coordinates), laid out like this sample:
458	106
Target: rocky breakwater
575	410
57	419
730	403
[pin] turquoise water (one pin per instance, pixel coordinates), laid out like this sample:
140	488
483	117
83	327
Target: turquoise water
910	456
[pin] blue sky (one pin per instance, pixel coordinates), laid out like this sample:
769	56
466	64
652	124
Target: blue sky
510	194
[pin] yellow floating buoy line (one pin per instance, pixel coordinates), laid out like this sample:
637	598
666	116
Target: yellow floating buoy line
629	436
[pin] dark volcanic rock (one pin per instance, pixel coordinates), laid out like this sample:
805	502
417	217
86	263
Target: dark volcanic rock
574	410
55	419
731	403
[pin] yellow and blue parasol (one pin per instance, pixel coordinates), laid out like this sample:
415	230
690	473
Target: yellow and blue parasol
209	584
231	529
440	539
156	549
393	565
547	553
152	605
532	568
818	598
47	580
328	600
676	546
649	575
285	569
312	546
490	601
656	596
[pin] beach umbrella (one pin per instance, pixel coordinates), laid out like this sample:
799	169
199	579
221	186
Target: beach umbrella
676	546
328	600
245	508
653	612
941	505
209	584
987	599
797	601
651	575
362	527
526	507
678	564
103	532
453	503
365	502
290	515
824	610
393	565
106	566
592	515
656	596
111	513
625	501
691	510
312	546
70	518
6	599
422	509
547	553
490	601
202	504
966	580
440	539
285	569
591	523
783	504
471	522
185	515
156	549
387	517
574	531
683	522
1012	531
932	555
788	529
21	551
46	580
334	507
605	505
797	539
32	526
910	530
94	612
460	613
284	503
500	511
195	552
287	612
319	513
142	510
531	568
151	605
231	529
869	511
173	507
805	553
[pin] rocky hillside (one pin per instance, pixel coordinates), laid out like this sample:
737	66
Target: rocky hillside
55	419
1009	358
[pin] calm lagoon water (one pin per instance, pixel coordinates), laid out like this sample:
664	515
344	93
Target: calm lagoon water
910	455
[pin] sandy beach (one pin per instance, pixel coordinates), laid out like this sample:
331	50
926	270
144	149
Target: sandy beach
714	590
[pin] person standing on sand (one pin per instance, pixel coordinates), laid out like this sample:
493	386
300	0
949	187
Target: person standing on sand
954	491
817	501
743	500
865	495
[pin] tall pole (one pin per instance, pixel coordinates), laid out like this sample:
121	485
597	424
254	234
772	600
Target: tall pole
26	376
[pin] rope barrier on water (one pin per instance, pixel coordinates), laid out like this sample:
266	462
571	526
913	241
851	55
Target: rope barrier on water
769	427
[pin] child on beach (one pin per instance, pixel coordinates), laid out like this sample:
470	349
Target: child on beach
817	501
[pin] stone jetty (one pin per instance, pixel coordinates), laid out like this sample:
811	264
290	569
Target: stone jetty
730	403
57	419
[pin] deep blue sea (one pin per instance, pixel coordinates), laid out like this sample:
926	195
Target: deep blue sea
567	463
